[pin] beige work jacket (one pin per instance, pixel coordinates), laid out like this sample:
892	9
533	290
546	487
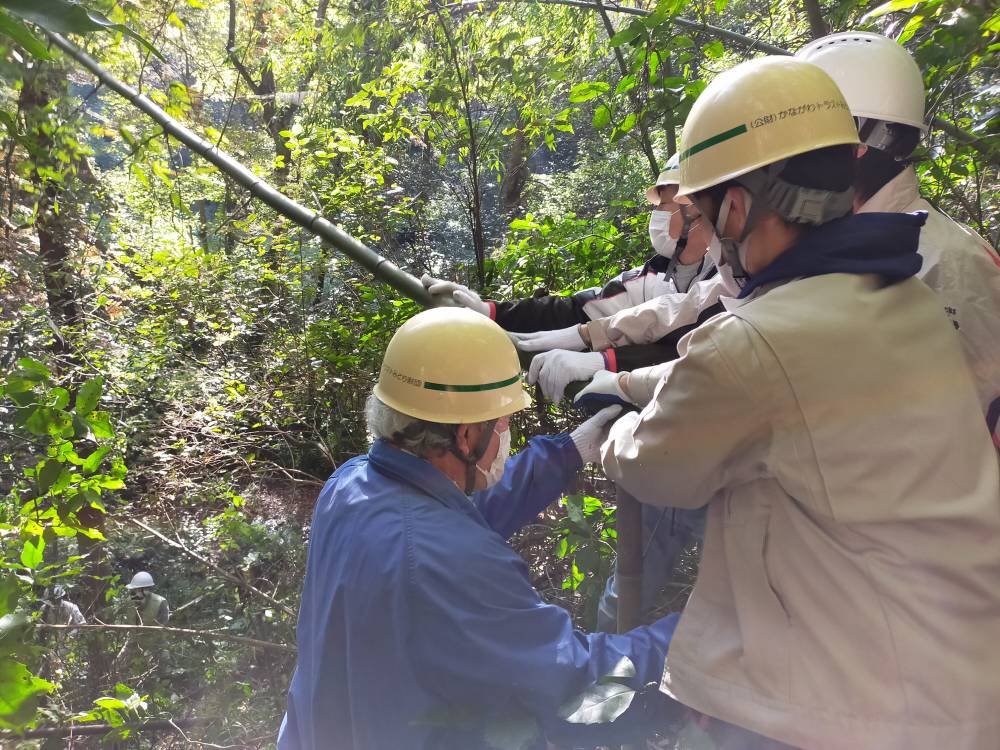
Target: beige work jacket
848	595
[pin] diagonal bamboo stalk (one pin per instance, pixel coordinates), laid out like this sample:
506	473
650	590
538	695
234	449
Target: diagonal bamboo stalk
380	267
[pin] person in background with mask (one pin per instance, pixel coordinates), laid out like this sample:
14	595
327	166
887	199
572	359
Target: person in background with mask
847	595
680	264
884	90
418	625
146	607
58	610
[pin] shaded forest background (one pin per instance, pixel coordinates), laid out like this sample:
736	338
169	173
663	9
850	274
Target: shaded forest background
182	367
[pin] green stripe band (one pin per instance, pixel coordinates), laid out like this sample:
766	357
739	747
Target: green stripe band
472	388
714	141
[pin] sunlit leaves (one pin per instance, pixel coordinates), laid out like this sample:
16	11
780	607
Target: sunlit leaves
588	90
88	396
32	553
601	117
630	33
67	17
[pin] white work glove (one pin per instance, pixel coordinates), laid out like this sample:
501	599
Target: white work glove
543	341
602	390
556	369
588	437
458	292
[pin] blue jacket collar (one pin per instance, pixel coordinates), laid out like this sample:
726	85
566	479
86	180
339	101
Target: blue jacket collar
879	243
407	468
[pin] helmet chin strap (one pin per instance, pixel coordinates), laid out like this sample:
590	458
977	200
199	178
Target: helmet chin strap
473	458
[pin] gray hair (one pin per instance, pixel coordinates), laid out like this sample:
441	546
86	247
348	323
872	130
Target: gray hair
416	436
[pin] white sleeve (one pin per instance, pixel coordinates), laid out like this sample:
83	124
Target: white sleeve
651	321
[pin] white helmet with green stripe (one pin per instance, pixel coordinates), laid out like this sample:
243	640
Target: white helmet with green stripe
760	114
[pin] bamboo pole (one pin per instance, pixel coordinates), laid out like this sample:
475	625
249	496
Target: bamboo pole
628	571
380	267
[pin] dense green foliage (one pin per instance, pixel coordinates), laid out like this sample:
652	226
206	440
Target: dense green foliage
176	357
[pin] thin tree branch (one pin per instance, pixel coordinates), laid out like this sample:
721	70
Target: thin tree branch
647	146
254	86
186	632
741	40
221	571
80	730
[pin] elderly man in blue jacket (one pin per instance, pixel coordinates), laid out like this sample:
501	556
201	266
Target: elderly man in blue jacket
419	627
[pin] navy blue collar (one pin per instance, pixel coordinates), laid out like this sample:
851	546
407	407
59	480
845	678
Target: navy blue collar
421	474
880	243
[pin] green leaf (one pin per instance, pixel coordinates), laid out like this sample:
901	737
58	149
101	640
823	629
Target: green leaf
18	384
46	421
911	28
9	592
890	7
112	703
574	509
60	398
714	50
100	424
48	474
628	123
67	17
19	690
32	554
588	90
627	83
602	117
89	395
93	462
598	704
524	225
606	700
30	369
628	34
14	29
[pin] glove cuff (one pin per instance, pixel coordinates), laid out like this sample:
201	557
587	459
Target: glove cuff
610	360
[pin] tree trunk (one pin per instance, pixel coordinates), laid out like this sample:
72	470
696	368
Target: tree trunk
517	173
817	25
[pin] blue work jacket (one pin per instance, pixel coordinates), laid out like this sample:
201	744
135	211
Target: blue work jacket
419	626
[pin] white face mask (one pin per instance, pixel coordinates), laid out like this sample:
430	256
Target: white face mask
729	255
495	471
659	233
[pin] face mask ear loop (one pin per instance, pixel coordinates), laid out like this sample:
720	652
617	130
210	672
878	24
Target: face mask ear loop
681	244
478	452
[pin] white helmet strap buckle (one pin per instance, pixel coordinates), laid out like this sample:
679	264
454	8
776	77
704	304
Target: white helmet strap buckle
876	133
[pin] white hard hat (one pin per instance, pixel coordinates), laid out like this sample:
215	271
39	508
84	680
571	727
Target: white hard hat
671	175
879	79
141	580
